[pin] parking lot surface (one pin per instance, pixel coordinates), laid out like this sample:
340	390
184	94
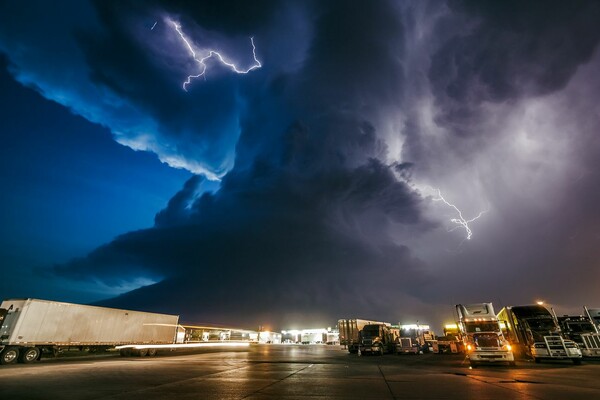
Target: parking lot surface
293	372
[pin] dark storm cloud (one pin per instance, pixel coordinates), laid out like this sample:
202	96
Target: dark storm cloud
302	218
509	49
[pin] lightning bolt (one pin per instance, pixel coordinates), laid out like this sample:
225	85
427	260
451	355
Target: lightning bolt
153	26
460	221
217	55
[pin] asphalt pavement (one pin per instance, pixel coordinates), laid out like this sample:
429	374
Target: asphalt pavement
293	372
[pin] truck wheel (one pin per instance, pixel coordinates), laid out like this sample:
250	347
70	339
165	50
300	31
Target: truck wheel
577	361
9	355
126	352
152	352
142	352
537	360
473	364
29	355
512	363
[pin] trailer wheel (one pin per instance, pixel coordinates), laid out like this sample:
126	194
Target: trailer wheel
9	355
29	355
142	352
577	361
152	352
126	352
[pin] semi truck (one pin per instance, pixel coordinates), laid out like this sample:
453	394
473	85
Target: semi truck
534	332
378	339
594	314
482	336
30	327
451	342
581	330
349	330
414	339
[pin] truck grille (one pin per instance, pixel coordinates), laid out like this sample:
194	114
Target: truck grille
487	341
405	342
591	340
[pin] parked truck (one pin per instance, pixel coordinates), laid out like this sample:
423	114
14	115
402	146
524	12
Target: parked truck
581	330
534	332
594	314
451	342
30	327
481	334
349	330
414	339
378	338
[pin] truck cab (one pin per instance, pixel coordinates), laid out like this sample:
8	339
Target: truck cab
583	332
376	339
413	339
482	336
534	332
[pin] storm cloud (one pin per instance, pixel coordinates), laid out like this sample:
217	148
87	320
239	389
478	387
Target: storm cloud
329	156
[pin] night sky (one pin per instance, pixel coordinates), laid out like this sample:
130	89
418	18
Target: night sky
375	159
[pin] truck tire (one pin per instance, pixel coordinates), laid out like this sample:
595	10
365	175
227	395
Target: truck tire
537	360
512	363
29	355
142	352
126	352
152	352
577	361
9	355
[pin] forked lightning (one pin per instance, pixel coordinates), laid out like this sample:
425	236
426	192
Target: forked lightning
217	55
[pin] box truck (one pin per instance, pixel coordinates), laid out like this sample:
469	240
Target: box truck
349	329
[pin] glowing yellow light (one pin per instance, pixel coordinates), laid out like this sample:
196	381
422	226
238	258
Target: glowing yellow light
540	303
469	347
185	346
508	347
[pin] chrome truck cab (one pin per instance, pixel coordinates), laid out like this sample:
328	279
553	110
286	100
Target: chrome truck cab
534	331
482	336
582	331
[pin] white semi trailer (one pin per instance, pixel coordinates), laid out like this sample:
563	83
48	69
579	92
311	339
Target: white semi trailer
29	327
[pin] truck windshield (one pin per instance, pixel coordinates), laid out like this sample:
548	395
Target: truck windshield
474	327
542	324
580	327
370	331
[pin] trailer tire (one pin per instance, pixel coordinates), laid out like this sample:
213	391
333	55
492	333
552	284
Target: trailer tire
142	352
126	352
152	352
9	355
29	355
